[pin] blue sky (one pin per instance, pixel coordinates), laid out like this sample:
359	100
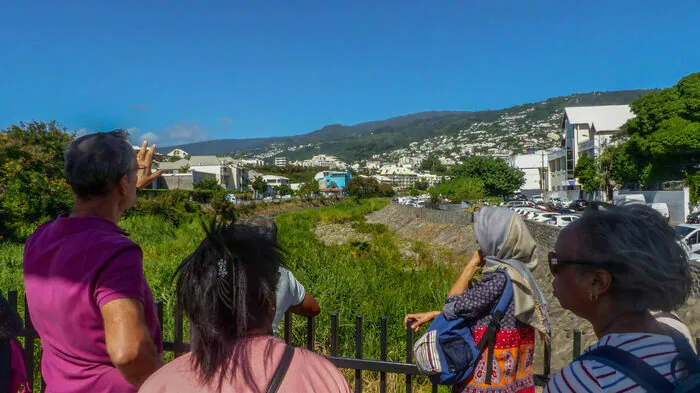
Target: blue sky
178	71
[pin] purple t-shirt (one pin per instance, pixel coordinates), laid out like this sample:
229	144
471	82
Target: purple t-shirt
72	267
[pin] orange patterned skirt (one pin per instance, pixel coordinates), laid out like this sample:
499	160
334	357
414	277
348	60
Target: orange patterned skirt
513	361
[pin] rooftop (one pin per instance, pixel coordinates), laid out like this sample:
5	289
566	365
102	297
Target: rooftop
603	117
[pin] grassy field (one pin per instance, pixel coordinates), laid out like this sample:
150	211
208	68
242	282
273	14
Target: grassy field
372	278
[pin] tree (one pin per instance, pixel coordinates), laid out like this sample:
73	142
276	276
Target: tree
309	188
498	178
586	173
209	184
662	142
363	187
185	168
259	185
432	164
32	185
284	190
422	185
460	189
414	193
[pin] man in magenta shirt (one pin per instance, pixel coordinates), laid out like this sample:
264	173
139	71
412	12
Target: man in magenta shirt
86	291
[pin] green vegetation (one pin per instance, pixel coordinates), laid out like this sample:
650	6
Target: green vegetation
460	189
662	142
367	187
586	172
32	185
497	177
295	174
433	165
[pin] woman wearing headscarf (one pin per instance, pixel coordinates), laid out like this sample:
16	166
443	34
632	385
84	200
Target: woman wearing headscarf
506	247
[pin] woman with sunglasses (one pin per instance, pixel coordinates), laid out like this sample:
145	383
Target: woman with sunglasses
507	248
612	267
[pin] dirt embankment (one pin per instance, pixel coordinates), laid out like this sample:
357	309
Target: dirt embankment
453	231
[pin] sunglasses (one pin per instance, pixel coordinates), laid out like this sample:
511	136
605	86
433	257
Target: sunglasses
555	262
139	168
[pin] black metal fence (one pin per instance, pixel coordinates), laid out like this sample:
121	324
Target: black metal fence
359	364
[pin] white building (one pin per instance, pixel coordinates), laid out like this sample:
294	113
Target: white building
227	173
176	153
280	161
586	130
430	179
251	161
374	164
382	179
401	178
324	161
535	167
274	180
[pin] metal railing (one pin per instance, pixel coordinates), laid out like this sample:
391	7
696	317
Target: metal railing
358	363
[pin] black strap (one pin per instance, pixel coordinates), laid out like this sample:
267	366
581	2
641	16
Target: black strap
633	367
281	370
4	366
489	340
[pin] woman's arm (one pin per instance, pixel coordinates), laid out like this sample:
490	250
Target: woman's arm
462	283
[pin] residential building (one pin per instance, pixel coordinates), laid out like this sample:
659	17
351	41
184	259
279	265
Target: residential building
274	180
180	181
586	130
280	161
374	165
325	161
430	179
332	181
401	178
176	153
535	167
413	162
227	173
251	161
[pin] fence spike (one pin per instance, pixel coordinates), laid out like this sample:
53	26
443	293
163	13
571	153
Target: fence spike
334	334
409	354
383	352
358	352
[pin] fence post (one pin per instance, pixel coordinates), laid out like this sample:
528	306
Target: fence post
28	344
358	352
12	299
409	354
547	358
697	345
288	327
382	353
310	333
334	334
178	331
159	313
577	343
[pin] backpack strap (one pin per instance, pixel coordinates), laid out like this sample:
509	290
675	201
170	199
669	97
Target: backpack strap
5	366
281	370
633	367
489	337
685	354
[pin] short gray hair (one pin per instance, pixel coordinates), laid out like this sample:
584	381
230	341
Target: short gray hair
95	163
649	266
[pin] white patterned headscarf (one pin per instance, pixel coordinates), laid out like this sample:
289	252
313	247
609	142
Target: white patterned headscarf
507	244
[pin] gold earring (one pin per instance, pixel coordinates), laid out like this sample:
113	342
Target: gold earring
592	297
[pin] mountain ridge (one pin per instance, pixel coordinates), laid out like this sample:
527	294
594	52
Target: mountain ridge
367	139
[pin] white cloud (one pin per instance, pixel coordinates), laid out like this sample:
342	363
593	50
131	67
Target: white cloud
151	137
184	132
80	132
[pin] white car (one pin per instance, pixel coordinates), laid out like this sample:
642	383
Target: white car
690	235
565	203
538	199
562	220
543	216
662	208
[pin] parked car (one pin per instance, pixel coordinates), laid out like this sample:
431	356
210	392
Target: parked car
565	203
579	204
562	220
538	199
690	235
693	218
543	216
629	199
662	208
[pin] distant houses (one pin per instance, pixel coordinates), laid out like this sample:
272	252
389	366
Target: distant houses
182	174
332	181
179	153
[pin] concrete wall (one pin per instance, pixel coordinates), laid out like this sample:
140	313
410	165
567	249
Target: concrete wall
678	201
181	181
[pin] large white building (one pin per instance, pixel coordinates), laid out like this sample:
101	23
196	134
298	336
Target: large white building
586	130
535	167
324	161
227	173
401	178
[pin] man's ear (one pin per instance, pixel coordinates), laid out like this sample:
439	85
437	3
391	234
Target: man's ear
123	185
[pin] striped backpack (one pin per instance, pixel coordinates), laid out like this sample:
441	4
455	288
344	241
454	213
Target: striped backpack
448	353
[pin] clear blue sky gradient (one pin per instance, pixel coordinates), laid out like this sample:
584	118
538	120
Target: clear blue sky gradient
232	69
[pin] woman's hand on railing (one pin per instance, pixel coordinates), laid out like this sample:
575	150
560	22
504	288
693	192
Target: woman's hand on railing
420	319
